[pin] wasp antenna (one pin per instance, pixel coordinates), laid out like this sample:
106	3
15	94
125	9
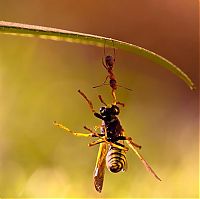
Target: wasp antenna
101	99
88	101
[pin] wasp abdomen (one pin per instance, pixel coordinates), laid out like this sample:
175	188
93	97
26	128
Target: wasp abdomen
115	160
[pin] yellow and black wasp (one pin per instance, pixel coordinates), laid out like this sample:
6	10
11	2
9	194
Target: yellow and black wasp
112	151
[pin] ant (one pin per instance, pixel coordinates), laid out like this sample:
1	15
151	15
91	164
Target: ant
109	65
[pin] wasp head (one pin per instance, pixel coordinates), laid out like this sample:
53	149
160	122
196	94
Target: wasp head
109	110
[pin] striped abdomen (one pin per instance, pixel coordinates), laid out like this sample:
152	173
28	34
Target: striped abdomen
116	160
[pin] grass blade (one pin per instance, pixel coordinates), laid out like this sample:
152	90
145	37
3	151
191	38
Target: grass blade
88	39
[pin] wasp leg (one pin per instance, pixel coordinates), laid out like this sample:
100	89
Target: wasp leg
123	137
133	143
94	133
73	132
88	101
96	142
118	145
88	129
145	163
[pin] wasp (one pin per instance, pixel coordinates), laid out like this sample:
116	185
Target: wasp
111	140
108	64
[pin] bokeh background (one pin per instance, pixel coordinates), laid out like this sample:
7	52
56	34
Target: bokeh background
39	80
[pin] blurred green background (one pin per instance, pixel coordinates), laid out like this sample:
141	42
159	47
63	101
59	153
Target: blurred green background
39	80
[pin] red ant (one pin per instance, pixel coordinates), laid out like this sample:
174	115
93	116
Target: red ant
108	65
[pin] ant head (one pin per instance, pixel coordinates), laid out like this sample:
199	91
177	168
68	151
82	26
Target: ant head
109	61
109	110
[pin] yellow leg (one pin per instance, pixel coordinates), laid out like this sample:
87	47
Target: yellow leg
110	143
73	132
96	142
117	146
133	143
131	140
145	163
88	101
94	134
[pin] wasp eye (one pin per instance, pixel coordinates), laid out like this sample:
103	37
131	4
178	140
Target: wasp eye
115	110
102	110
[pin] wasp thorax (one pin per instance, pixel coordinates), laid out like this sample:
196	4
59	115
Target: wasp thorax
109	61
109	110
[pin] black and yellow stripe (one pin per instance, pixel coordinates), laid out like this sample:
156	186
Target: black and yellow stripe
115	159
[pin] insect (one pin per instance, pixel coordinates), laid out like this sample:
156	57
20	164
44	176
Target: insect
109	65
112	150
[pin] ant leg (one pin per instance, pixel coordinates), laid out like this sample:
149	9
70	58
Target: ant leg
125	87
100	85
92	134
103	84
101	99
105	79
88	101
104	64
145	163
113	49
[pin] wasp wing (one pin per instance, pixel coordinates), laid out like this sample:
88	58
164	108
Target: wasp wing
100	167
147	166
